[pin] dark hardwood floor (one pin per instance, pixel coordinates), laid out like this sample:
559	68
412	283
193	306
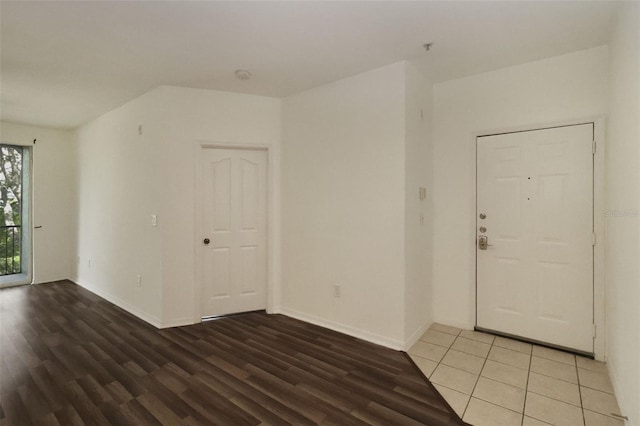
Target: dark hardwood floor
68	357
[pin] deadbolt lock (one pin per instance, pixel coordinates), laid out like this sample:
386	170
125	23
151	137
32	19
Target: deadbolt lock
483	216
483	242
483	229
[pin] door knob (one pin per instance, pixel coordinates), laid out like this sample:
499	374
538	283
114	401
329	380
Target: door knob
206	241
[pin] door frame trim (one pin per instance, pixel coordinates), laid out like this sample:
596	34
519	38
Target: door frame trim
599	123
269	212
24	277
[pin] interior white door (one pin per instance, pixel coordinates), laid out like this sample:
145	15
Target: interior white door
234	231
535	208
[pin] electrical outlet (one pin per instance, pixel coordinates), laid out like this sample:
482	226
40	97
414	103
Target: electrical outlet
139	280
337	291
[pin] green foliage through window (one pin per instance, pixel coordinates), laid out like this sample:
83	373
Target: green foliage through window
10	209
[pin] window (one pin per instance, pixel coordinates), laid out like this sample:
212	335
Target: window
15	242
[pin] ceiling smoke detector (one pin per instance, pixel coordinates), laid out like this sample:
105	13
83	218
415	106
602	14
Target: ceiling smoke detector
243	75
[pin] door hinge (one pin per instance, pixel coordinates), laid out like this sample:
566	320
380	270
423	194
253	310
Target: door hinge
593	330
593	147
593	238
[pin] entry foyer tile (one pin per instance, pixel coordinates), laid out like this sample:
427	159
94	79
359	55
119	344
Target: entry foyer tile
477	336
425	365
530	421
470	363
509	357
589	364
552	411
594	380
500	394
600	402
513	376
428	350
457	400
595	419
519	384
554	388
514	345
554	355
438	338
554	369
471	347
482	413
455	379
454	331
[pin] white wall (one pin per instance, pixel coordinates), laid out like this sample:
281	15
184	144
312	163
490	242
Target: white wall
125	177
190	116
53	201
547	91
119	187
623	203
343	204
418	214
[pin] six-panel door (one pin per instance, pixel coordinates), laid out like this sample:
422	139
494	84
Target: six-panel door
535	277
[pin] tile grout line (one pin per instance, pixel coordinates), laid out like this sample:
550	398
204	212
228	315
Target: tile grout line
526	386
499	406
440	362
584	419
556	378
486	358
554	399
531	354
480	375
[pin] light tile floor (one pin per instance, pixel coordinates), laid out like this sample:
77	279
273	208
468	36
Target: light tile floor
493	381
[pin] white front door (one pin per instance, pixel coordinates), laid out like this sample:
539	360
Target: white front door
233	261
535	209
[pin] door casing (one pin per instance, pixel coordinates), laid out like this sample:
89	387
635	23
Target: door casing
26	276
598	217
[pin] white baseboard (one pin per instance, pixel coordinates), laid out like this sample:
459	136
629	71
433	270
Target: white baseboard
343	328
180	322
274	309
144	316
454	323
322	322
416	335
